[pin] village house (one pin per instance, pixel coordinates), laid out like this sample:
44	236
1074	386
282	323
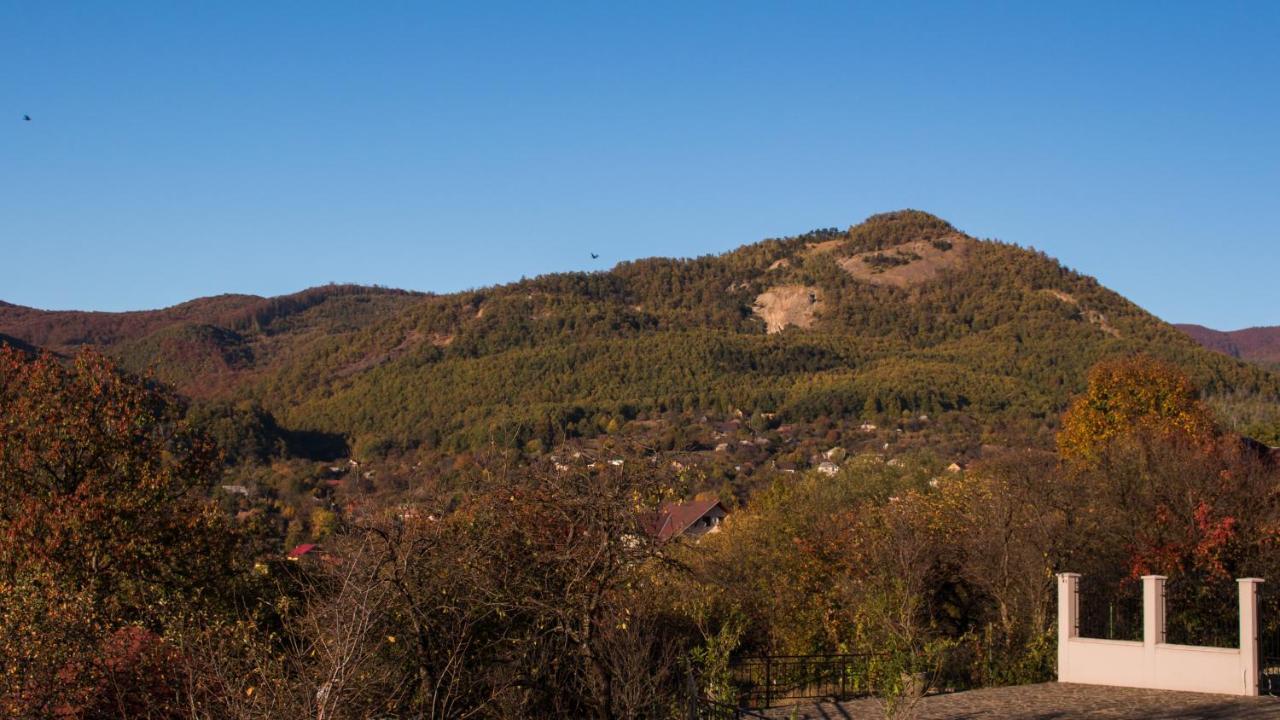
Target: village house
688	519
304	550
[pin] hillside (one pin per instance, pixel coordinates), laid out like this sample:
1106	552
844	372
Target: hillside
898	317
208	347
1257	344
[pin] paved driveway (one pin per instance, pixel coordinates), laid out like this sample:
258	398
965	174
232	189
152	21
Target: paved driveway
1054	701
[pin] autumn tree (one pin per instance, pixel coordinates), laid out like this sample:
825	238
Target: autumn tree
1133	395
524	599
105	546
1167	492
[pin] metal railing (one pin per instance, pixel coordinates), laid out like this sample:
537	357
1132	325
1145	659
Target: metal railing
1201	613
767	681
1269	641
1109	611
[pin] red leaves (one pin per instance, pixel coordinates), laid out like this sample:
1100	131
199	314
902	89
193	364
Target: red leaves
1174	545
1215	535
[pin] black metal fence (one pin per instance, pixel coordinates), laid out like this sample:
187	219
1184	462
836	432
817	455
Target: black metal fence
1202	612
1109	610
1268	640
772	680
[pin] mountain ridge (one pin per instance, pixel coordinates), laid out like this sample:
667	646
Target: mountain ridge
899	315
1256	344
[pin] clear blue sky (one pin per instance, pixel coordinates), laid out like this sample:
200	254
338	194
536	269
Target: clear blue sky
187	149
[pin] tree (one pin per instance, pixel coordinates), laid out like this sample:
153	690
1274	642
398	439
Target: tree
1137	394
106	546
524	599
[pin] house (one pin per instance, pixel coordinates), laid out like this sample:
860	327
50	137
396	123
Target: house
1264	451
304	550
828	468
689	519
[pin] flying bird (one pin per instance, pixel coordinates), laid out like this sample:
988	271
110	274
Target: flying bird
27	118
595	256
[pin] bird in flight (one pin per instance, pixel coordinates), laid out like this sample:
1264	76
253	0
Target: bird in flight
27	118
595	256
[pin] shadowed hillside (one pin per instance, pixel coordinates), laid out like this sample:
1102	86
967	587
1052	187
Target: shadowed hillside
1258	344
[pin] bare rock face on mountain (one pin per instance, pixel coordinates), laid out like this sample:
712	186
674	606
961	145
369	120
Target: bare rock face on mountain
787	305
910	263
1089	314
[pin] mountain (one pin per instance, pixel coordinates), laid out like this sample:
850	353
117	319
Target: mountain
898	317
209	346
1256	344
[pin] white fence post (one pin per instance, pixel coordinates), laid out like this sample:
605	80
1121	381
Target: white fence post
1068	620
1249	633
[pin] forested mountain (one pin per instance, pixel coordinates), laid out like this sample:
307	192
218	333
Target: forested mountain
1257	344
897	317
912	428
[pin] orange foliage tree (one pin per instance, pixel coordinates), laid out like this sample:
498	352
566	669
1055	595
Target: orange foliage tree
105	546
1166	491
1132	394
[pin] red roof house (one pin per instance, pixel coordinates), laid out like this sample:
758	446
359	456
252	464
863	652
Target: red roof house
692	519
302	550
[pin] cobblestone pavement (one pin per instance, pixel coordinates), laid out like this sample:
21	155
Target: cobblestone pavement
1053	701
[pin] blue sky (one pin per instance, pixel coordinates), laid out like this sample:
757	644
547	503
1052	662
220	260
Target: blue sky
186	149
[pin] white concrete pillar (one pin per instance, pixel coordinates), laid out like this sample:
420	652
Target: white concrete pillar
1068	621
1153	627
1249	633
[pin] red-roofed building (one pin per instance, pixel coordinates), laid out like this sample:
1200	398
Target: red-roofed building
689	519
303	550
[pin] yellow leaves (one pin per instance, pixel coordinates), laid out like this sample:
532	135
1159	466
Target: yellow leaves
1127	395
